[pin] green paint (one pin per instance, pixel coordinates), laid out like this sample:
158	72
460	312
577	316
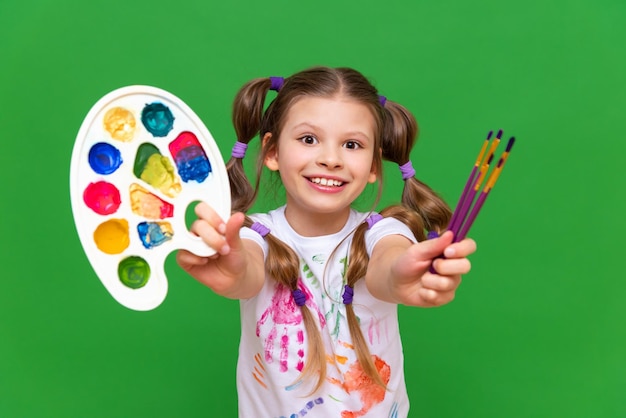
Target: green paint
144	152
156	170
134	272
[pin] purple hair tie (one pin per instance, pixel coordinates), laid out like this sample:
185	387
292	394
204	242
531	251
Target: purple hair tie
372	219
276	83
382	100
407	170
260	229
239	150
299	297
432	234
348	293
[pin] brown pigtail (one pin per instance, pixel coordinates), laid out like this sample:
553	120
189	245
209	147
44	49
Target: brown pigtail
400	135
247	114
283	265
357	268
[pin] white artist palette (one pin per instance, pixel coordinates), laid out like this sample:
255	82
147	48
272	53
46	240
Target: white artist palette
140	159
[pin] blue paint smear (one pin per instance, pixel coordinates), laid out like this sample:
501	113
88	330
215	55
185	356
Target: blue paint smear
304	411
152	235
104	158
192	164
157	118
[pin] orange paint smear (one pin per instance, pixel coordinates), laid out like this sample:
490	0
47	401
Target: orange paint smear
259	380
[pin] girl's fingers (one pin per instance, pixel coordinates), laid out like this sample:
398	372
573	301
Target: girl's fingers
441	283
460	249
205	212
209	234
184	257
432	297
452	266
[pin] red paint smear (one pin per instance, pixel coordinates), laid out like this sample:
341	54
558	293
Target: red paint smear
102	197
284	352
182	141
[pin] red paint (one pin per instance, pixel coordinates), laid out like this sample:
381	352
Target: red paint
102	197
182	141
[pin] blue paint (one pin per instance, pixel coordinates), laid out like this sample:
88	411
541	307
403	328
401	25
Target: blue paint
157	118
104	158
191	161
192	164
304	411
153	234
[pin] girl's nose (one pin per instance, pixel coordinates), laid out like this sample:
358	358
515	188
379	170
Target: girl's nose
329	157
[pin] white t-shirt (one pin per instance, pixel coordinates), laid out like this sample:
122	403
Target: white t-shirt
273	344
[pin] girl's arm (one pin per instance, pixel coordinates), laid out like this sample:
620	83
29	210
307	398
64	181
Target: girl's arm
237	269
398	270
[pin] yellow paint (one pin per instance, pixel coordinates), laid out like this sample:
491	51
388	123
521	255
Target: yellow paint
120	123
160	174
111	237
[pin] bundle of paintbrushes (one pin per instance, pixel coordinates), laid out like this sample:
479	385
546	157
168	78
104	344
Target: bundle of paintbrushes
469	205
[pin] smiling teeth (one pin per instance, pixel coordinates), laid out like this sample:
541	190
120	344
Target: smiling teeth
326	182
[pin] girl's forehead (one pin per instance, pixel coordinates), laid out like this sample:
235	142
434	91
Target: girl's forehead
329	108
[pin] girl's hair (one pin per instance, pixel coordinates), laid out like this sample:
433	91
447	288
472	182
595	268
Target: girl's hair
395	133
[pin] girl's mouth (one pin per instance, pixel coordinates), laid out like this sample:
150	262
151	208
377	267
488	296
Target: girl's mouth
326	182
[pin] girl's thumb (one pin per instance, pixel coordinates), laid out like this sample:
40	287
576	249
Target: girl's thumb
233	225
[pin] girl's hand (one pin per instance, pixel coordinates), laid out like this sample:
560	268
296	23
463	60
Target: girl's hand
225	271
414	282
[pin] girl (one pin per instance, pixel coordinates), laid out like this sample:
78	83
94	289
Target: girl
319	282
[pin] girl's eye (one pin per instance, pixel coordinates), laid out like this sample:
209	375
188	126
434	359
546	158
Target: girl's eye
309	140
352	145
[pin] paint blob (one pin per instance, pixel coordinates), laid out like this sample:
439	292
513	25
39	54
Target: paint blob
120	123
191	161
104	158
133	272
157	118
102	197
156	170
111	237
153	234
148	205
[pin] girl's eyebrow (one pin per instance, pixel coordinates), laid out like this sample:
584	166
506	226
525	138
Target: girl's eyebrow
311	126
306	125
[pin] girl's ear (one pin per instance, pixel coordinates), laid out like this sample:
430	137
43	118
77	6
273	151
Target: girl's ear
372	177
374	171
271	155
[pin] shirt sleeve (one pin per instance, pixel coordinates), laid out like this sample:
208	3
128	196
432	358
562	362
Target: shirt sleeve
383	228
247	233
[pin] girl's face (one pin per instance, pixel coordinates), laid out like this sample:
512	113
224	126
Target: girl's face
324	155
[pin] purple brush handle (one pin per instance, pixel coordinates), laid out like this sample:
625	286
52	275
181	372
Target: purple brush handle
456	215
472	217
465	208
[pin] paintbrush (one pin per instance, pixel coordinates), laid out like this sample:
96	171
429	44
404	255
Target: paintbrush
465	214
461	233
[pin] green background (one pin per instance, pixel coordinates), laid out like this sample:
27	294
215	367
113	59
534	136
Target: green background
537	328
